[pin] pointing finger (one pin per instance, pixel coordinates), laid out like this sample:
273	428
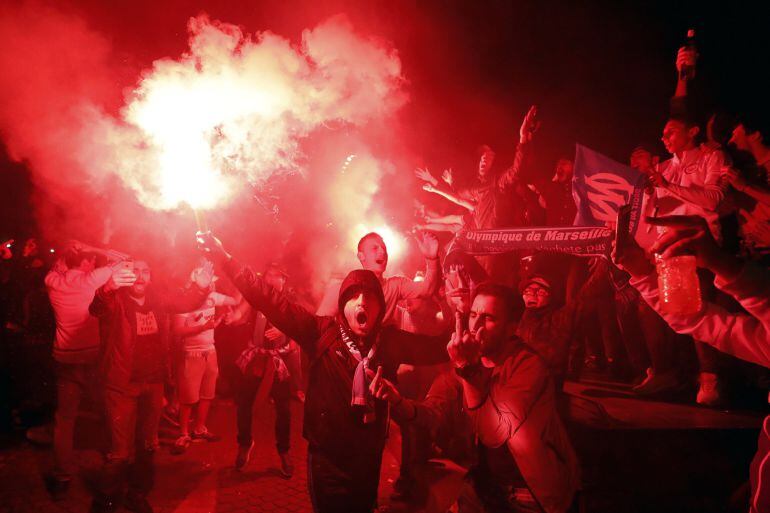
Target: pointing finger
459	325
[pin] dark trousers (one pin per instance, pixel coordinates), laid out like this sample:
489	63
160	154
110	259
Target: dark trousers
133	414
245	393
73	381
339	484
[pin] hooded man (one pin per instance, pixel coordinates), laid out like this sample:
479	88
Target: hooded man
344	425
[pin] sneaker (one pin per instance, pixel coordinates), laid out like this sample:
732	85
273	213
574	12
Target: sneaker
287	468
181	444
708	392
244	455
657	383
206	435
299	396
137	503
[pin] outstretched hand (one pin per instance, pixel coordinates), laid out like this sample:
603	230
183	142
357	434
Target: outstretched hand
424	174
121	277
381	388
447	176
456	287
211	246
203	275
529	126
464	348
686	235
685	57
428	244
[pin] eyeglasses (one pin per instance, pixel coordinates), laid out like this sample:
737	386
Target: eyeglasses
530	291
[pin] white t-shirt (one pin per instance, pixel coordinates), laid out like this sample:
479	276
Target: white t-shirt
77	331
203	341
695	187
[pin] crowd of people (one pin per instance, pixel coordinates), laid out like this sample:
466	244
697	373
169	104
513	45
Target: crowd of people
473	348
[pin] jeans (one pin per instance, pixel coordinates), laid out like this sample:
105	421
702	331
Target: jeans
244	397
72	382
348	485
133	414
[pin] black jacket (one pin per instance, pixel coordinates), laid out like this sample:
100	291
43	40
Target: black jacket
331	424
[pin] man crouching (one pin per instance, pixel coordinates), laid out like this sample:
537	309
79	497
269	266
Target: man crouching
525	460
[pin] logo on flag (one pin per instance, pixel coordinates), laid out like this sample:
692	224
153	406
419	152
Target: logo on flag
601	186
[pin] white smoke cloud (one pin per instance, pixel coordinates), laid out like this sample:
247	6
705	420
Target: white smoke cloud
235	108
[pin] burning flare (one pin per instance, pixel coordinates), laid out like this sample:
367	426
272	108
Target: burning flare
236	107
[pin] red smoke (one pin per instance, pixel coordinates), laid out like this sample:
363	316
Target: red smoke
235	110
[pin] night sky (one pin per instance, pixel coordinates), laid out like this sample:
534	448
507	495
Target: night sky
601	72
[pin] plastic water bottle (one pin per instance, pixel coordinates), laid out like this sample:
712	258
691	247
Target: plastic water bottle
678	285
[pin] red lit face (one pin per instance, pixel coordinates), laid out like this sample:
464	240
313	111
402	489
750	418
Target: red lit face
485	163
677	137
361	312
740	139
489	313
536	296
143	276
641	160
374	255
563	172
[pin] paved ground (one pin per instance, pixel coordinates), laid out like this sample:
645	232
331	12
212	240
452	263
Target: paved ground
201	481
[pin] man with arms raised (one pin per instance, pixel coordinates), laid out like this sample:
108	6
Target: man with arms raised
71	285
373	255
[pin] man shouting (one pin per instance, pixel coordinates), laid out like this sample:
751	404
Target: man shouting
344	425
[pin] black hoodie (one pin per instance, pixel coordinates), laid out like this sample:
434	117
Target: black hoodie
331	425
355	282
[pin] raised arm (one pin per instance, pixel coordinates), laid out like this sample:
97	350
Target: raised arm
529	126
444	397
290	318
409	289
451	196
105	300
741	335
